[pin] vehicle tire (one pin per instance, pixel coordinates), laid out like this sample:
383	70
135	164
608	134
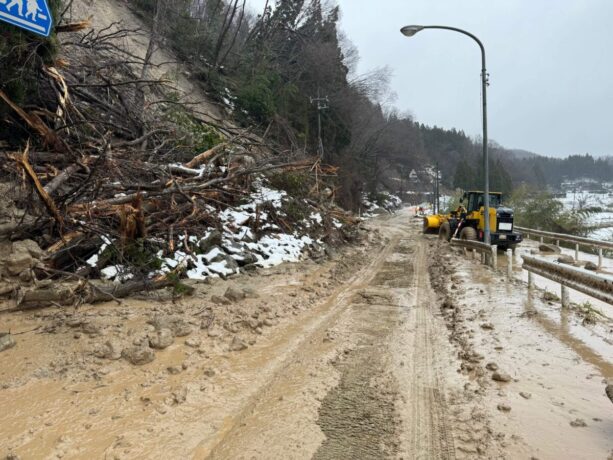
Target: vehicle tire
425	229
468	233
444	233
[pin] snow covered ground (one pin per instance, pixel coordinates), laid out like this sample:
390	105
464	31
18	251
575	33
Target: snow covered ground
583	200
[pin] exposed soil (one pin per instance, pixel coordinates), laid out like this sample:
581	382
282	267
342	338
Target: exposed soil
397	348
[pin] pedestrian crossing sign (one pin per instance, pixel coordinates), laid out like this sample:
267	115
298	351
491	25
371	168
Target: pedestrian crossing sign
32	15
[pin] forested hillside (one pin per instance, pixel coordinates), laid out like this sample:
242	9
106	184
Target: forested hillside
264	69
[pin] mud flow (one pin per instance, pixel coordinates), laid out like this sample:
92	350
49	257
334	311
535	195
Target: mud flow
398	348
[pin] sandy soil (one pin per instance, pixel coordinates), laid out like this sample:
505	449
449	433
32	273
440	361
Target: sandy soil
388	351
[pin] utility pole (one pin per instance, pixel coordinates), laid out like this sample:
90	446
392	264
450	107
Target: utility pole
323	103
438	203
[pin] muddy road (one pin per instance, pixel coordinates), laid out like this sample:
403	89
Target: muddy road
397	348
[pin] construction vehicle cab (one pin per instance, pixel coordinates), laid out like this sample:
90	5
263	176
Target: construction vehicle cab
467	222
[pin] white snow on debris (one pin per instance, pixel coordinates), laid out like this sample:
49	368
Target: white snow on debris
387	203
316	217
238	242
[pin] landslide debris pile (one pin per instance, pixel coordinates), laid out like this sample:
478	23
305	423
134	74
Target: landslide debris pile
111	175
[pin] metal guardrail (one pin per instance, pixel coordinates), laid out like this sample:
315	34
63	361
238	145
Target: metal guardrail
488	253
577	240
596	286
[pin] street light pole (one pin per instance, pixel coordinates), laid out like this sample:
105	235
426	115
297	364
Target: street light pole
409	31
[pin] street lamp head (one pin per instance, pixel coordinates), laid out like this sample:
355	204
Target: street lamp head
409	31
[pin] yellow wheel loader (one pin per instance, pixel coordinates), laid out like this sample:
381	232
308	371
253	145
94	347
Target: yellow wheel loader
468	221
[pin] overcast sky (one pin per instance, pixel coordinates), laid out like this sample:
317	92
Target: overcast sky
550	65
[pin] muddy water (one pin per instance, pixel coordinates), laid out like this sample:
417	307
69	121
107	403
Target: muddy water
557	363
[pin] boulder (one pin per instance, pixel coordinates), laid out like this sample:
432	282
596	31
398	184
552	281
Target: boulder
7	288
181	328
591	266
18	262
28	247
245	258
609	392
108	350
549	248
6	341
138	355
209	241
234	295
162	338
501	377
178	326
566	259
220	300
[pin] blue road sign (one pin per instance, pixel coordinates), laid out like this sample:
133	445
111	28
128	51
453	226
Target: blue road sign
32	15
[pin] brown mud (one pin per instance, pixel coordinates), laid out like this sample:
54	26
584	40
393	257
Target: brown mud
398	348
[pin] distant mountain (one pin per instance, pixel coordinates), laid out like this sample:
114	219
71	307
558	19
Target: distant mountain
523	154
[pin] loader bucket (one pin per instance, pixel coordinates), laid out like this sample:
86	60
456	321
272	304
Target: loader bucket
432	223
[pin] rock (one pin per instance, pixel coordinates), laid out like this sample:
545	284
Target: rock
504	408
487	326
6	341
525	395
18	262
234	295
209	372
566	259
230	327
7	288
91	329
491	366
250	293
193	342
181	328
591	266
220	300
161	339
138	355
238	344
208	242
609	391
229	262
109	350
501	377
213	332
12	456
268	323
178	326
247	258
173	370
29	247
578	423
549	248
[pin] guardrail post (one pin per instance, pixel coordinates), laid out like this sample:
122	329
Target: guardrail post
542	241
494	257
474	254
565	297
530	281
510	263
599	258
558	243
577	252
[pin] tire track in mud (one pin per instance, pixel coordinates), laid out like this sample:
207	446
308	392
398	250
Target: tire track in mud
240	437
429	428
377	411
